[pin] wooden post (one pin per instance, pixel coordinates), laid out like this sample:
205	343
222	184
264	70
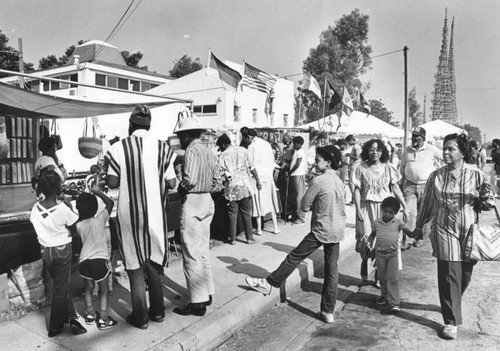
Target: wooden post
405	123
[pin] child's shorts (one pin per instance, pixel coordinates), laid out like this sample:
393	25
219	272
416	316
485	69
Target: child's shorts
95	269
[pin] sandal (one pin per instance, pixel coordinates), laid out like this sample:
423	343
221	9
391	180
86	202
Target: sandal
103	325
90	319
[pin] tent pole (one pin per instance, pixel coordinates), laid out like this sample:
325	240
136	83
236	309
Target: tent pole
405	123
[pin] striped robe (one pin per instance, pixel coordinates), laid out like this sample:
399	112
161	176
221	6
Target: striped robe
448	202
143	164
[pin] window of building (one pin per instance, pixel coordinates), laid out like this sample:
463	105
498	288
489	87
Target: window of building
205	109
136	85
100	79
145	86
254	115
55	86
112	82
285	119
74	78
123	84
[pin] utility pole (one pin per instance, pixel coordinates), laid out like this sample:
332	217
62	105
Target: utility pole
405	123
21	61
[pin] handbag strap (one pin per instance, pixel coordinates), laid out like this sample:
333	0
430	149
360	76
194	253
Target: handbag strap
85	128
54	126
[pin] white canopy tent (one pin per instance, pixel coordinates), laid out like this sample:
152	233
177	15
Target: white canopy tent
438	129
358	123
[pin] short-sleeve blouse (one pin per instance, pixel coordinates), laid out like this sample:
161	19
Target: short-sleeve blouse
374	188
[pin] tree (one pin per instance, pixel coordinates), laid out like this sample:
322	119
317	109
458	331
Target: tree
414	108
381	112
132	60
342	55
10	61
473	132
184	66
52	61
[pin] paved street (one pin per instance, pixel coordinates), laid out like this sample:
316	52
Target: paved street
360	325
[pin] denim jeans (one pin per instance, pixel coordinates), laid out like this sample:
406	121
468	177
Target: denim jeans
244	207
306	247
57	262
388	274
150	274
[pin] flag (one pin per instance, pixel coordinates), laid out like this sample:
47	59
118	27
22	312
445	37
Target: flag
310	83
269	102
256	79
365	105
346	102
226	74
332	94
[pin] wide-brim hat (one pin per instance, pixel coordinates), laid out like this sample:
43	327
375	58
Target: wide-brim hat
188	123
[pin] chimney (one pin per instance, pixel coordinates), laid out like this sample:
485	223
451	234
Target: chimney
76	59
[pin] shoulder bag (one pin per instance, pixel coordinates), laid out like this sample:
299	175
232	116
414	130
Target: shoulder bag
483	240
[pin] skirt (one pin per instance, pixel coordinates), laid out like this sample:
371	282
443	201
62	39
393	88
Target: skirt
266	200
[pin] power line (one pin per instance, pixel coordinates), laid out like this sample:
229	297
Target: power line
372	57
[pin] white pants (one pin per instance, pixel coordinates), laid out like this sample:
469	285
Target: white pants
196	214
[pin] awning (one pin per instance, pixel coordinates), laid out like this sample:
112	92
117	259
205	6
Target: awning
25	103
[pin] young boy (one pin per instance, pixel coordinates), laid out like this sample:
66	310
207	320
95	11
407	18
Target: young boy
387	252
94	258
298	169
326	197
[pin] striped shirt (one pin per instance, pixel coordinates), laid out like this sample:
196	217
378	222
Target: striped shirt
448	202
199	168
388	235
143	164
326	199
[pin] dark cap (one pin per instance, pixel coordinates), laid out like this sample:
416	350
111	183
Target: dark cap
141	116
45	144
418	131
332	154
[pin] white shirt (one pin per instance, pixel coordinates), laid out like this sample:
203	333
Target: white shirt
94	236
51	224
419	164
261	155
301	170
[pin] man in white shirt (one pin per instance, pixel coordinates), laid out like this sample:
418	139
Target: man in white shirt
298	179
419	160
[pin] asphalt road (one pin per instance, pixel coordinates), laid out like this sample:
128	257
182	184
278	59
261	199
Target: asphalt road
292	325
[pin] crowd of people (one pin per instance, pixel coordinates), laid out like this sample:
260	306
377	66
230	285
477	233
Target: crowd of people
394	192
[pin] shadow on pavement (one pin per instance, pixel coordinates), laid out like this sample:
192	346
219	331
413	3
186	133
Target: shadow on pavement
244	267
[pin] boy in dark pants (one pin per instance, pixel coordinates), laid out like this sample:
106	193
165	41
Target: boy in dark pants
326	198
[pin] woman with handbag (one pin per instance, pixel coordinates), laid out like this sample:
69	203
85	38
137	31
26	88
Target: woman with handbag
449	200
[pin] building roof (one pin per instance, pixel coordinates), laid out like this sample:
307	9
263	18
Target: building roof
95	50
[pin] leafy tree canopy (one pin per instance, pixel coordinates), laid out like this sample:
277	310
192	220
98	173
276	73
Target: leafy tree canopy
184	66
381	112
473	132
10	61
414	113
342	55
132	59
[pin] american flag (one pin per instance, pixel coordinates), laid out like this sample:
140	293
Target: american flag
254	78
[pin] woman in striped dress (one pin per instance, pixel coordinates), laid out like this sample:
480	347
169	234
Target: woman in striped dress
448	203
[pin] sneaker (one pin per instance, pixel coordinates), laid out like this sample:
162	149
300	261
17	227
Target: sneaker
405	247
395	309
449	332
382	300
103	325
298	221
259	284
376	284
251	241
418	243
90	319
326	317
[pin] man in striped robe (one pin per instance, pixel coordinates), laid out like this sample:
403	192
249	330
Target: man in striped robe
142	167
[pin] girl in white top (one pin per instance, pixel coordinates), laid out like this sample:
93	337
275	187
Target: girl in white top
53	221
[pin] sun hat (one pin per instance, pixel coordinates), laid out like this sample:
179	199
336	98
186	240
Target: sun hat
188	121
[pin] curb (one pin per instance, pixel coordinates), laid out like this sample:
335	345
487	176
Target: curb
216	327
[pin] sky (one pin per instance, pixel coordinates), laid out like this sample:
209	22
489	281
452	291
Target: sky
276	36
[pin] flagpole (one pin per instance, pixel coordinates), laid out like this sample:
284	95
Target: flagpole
324	104
300	107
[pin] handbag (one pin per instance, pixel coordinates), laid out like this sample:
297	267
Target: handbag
89	147
56	137
483	240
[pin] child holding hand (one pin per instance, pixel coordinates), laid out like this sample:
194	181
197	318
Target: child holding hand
94	258
387	231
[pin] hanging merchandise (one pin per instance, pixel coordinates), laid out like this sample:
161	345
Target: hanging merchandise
89	147
56	137
4	142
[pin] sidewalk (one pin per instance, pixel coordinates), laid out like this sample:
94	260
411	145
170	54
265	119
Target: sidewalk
233	305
